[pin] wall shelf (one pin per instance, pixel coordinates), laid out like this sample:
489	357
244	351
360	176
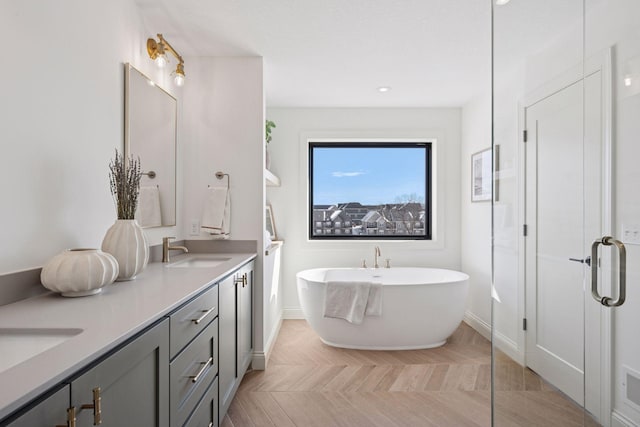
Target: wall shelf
271	179
274	245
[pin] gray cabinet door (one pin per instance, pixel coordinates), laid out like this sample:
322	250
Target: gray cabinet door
227	340
245	320
132	384
236	332
49	412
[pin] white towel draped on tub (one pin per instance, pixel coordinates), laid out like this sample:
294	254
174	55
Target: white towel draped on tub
374	303
148	213
352	300
216	215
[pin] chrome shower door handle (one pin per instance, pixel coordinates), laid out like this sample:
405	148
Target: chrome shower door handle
622	281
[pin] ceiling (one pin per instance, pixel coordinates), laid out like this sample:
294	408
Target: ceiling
336	53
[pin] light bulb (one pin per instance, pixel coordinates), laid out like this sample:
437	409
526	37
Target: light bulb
161	60
627	81
502	2
179	78
383	89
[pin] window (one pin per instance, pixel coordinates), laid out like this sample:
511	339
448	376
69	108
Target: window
370	190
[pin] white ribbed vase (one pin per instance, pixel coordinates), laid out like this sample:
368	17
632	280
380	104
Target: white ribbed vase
126	241
79	272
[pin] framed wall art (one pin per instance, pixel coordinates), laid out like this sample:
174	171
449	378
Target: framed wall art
481	176
270	224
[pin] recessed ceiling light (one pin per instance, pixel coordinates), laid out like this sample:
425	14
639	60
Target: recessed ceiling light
502	2
383	89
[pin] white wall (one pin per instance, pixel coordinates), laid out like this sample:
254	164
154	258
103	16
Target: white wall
288	151
475	252
223	130
62	118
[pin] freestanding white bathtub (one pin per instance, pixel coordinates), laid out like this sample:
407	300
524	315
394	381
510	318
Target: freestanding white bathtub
421	307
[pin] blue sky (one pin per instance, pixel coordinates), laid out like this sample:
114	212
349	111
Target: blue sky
368	176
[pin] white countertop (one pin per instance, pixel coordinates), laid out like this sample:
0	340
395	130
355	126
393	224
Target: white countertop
106	319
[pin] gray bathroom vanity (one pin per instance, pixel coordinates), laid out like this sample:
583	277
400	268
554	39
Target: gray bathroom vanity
167	349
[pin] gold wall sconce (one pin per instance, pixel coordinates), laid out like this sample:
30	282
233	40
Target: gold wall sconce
158	52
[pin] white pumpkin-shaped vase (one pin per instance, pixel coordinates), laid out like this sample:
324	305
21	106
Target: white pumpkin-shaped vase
79	272
126	241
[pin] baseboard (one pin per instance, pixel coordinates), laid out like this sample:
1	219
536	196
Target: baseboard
480	326
272	339
261	358
501	341
509	347
292	313
619	420
259	361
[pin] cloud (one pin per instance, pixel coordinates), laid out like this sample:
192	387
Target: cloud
345	174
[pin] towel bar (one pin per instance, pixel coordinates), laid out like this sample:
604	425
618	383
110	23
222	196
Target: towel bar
221	175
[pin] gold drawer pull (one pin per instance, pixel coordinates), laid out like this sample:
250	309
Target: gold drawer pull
96	406
205	313
196	377
71	418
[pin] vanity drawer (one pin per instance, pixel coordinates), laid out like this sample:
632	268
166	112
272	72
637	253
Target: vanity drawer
206	413
192	372
188	321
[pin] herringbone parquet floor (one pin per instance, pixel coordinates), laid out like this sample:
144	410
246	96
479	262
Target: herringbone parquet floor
308	383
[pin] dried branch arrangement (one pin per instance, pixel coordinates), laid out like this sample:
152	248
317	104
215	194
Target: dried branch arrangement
124	178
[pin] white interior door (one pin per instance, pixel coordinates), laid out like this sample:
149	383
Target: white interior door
555	296
563	216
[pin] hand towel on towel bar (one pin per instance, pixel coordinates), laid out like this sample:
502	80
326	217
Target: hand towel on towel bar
352	300
148	213
216	215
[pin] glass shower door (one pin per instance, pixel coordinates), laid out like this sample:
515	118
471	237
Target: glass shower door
539	301
566	110
612	31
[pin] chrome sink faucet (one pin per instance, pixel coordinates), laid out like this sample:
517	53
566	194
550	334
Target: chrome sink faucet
166	248
376	254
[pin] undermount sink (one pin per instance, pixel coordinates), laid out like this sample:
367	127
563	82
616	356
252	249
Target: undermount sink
20	344
199	262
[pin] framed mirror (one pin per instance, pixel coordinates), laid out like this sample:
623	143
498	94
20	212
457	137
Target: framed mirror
150	134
